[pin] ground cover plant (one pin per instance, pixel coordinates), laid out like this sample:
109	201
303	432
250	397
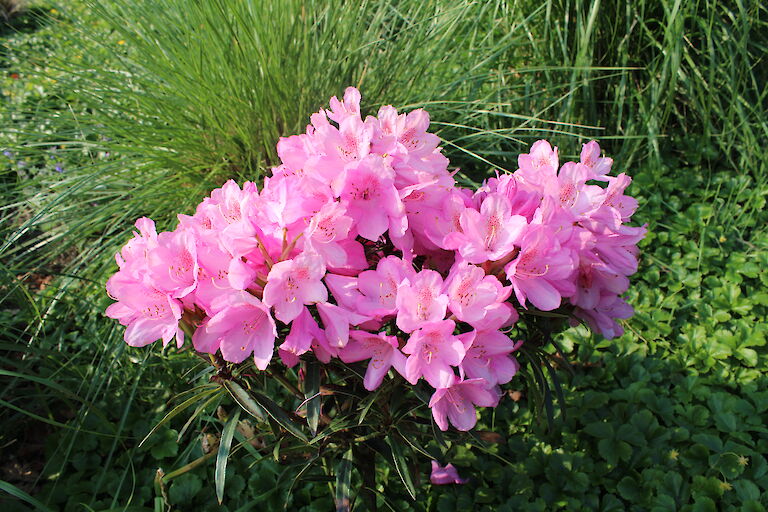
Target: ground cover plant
669	416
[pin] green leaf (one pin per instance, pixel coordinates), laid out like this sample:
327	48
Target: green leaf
312	395
306	467
630	490
184	488
699	415
599	429
746	490
558	388
176	410
44	381
343	483
643	420
235	486
664	503
366	404
714	443
612	504
612	450
752	506
254	401
729	465
718	350
438	434
166	445
704	505
245	401
748	355
708	487
19	494
401	465
221	458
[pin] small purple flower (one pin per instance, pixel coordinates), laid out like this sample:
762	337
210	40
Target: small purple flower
8	154
59	168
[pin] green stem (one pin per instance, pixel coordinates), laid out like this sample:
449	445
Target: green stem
189	467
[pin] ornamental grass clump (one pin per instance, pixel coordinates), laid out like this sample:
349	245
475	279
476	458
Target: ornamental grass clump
391	290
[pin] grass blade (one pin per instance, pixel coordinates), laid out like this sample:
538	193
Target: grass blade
18	493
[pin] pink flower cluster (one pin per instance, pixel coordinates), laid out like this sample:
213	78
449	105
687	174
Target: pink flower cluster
360	246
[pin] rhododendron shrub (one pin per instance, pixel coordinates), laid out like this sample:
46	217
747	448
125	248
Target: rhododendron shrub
361	254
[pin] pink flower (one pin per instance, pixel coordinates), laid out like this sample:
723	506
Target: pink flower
538	167
413	136
590	156
445	475
456	402
294	151
133	256
434	351
615	198
328	227
488	358
148	313
570	189
228	211
542	271
380	286
304	330
342	147
380	349
489	234
213	276
420	301
285	202
291	284
348	107
471	292
523	198
344	289
243	326
593	279
436	213
336	321
602	317
368	191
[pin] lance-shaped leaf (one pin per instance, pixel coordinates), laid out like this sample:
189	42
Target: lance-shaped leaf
344	482
254	403
312	395
245	401
306	467
401	464
221	459
195	399
558	387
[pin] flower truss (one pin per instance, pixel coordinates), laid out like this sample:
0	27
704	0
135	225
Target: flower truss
360	246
